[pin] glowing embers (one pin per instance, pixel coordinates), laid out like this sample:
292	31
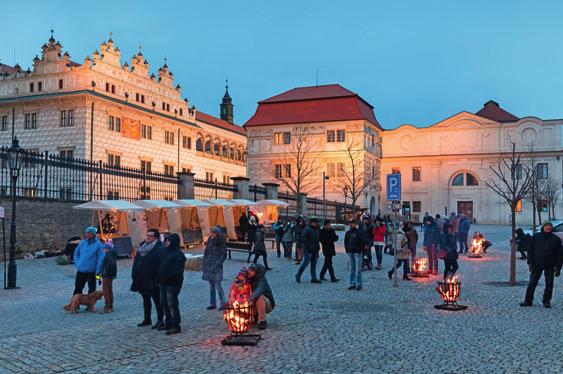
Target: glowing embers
239	318
420	268
449	290
476	247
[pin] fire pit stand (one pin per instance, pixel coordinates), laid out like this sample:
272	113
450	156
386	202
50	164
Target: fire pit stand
420	268
239	318
449	291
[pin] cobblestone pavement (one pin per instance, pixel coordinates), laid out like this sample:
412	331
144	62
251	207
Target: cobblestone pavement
314	328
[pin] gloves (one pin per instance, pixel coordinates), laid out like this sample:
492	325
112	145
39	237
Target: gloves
99	279
557	272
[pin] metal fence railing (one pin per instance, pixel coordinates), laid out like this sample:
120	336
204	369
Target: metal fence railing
204	190
335	211
257	192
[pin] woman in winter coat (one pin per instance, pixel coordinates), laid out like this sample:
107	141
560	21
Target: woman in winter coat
252	226
287	240
299	240
403	254
448	250
170	279
260	247
379	231
213	258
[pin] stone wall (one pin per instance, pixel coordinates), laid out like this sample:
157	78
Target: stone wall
43	225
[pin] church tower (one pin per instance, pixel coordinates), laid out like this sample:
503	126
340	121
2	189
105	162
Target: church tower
227	106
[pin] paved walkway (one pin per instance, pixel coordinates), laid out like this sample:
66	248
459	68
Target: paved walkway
314	328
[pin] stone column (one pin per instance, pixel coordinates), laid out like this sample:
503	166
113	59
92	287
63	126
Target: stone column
271	190
242	184
302	203
186	188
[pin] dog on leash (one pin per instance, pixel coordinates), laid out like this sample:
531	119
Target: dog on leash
89	300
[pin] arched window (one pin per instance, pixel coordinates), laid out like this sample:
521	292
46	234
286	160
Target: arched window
208	146
232	152
465	179
216	149
199	145
224	150
239	154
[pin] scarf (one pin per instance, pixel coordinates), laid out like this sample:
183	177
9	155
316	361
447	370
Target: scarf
145	248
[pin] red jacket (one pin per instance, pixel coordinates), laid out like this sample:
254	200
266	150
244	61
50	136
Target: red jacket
379	233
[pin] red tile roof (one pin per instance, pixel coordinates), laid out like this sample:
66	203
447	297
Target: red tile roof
217	122
312	104
492	110
7	69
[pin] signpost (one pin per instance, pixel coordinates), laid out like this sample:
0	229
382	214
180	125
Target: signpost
394	196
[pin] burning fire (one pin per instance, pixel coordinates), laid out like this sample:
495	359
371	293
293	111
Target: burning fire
420	265
238	317
477	245
449	290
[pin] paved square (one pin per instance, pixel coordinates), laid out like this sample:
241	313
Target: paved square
314	328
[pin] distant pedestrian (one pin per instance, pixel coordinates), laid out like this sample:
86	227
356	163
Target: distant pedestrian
260	247
108	274
288	237
327	238
448	247
88	257
278	232
413	239
430	244
464	227
252	227
299	227
243	226
170	279
213	258
403	254
522	242
354	246
366	228
311	247
145	277
545	255
379	232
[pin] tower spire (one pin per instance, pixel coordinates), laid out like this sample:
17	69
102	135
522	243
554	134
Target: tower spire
227	113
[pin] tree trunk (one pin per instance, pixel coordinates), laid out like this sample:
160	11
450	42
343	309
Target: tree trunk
533	216
513	246
539	215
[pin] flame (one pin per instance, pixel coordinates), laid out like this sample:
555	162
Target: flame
420	265
449	290
477	245
238	317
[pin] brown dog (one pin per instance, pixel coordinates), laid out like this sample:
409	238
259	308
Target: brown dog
81	299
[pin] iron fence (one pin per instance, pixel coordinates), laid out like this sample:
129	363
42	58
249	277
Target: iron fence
335	211
204	190
54	177
257	192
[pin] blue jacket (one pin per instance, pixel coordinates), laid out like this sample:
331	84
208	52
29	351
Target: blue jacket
431	235
464	226
89	256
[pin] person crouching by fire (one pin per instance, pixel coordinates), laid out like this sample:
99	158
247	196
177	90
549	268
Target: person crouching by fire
262	297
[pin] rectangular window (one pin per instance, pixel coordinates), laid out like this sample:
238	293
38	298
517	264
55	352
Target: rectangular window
331	169
209	176
61	84
137	97
416	207
113	88
395	171
278	138
186	142
114	124
39	86
373	140
517	174
278	170
66	154
63	118
142	99
187	170
330	136
146	166
226	179
340	172
169	170
114	160
107	87
519	206
146	132
31	85
416	175
340	135
181	112
168	107
163	106
70	119
169	137
542	171
113	195
30	121
287	137
4	123
287	170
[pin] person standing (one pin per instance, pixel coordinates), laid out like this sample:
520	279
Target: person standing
108	273
262	297
311	247
464	227
449	247
403	254
88	257
252	227
278	232
379	232
327	238
145	277
366	228
430	244
354	246
170	279
412	235
213	258
299	240
287	240
243	225
522	242
454	222
260	247
545	255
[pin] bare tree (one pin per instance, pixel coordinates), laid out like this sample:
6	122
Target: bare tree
298	165
532	196
354	177
511	181
551	192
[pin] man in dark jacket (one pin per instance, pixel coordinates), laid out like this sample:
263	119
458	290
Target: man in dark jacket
243	225
545	255
145	276
170	279
108	274
463	232
262	296
311	248
366	228
430	244
354	246
522	242
327	237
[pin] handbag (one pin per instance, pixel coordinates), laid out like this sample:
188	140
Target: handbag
390	249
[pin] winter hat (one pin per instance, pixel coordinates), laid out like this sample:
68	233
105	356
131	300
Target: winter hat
91	229
545	224
217	230
326	222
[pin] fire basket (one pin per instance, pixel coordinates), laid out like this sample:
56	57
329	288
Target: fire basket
420	268
476	248
449	290
239	318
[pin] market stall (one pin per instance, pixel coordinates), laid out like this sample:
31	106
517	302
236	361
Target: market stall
268	210
161	215
194	220
221	214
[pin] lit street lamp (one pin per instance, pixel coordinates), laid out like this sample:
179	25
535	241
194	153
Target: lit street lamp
325	178
14	163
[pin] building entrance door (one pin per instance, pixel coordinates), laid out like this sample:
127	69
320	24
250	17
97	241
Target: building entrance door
465	207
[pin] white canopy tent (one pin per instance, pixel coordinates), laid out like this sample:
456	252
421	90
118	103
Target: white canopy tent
267	210
194	219
162	215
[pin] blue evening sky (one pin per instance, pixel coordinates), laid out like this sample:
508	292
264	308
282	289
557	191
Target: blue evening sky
415	61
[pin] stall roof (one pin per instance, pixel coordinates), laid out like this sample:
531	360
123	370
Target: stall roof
243	202
272	202
157	204
220	202
194	203
109	205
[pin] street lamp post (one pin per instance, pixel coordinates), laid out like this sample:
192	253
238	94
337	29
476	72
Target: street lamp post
325	178
14	163
345	203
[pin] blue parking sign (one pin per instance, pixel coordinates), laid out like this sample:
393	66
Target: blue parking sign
393	187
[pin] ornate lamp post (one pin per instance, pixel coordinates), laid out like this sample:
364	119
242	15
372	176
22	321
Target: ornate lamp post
325	178
15	154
